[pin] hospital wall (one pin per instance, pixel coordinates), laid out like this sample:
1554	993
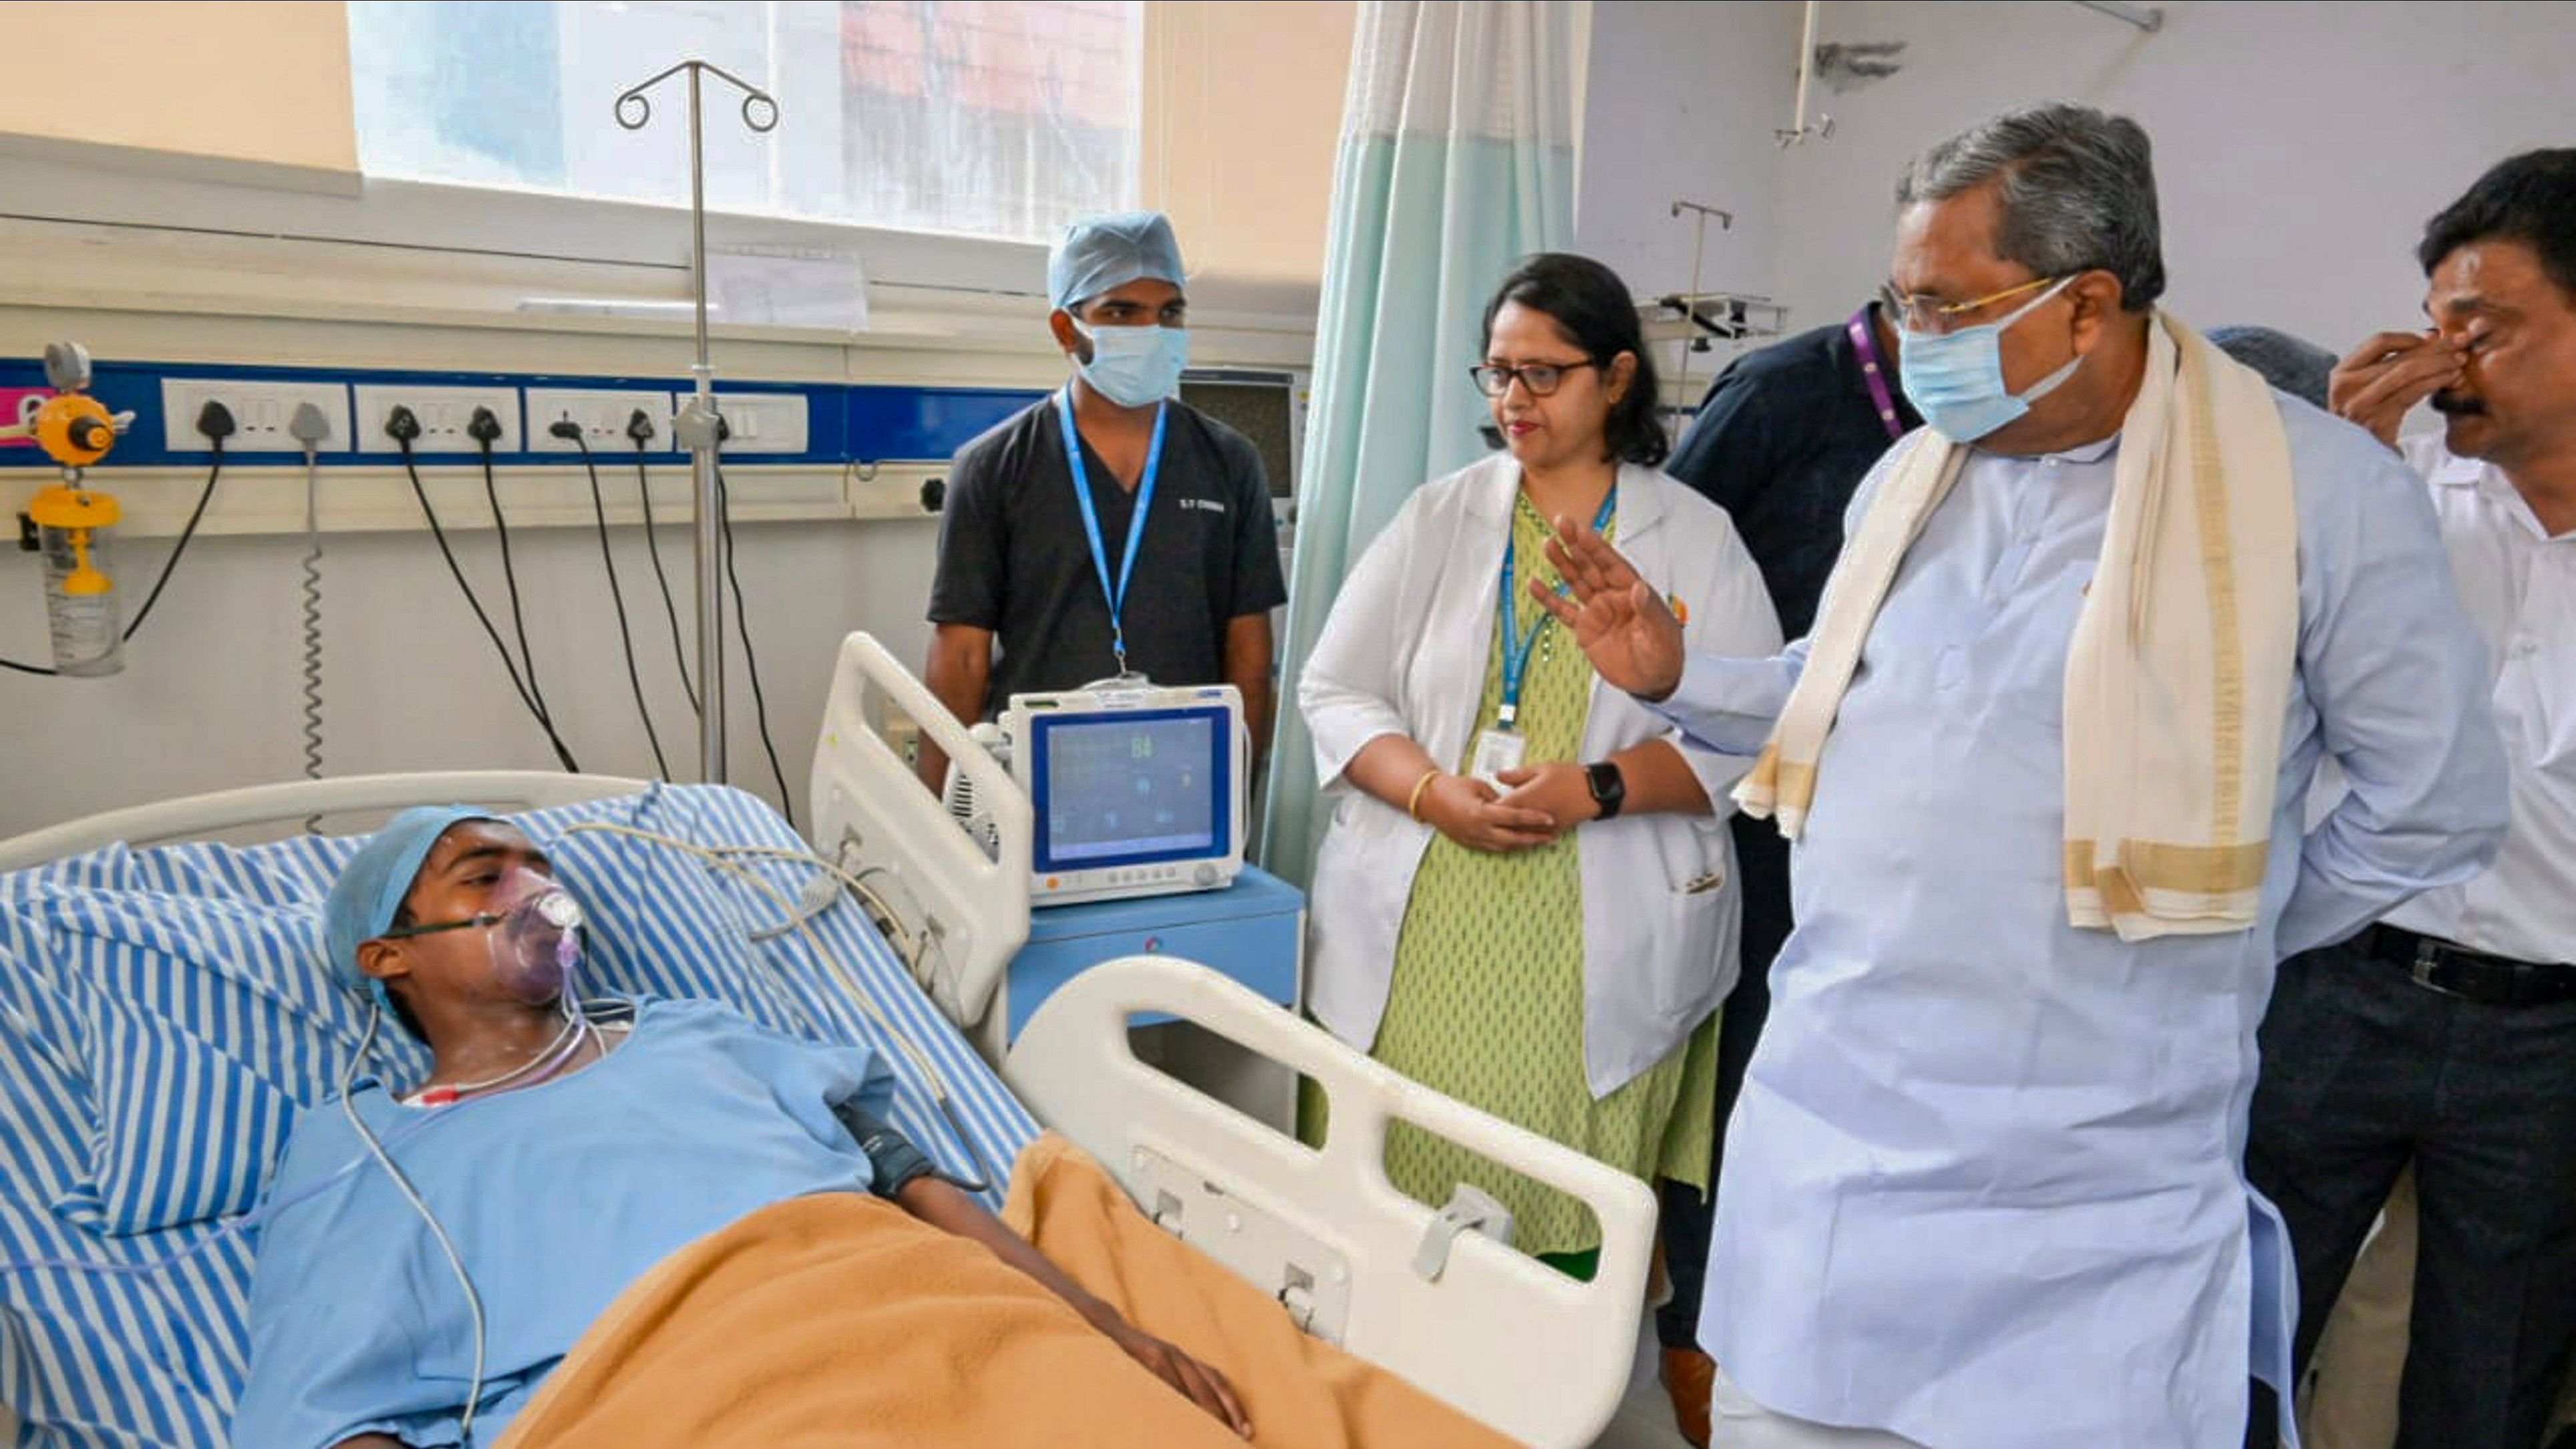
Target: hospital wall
209	697
1680	104
2299	146
174	269
130	83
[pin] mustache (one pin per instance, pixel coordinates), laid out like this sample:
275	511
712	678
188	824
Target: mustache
2451	403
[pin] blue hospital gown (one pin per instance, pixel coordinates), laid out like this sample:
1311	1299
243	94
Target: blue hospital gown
557	1196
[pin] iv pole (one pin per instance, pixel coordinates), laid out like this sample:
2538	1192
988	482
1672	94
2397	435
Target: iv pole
697	428
1690	300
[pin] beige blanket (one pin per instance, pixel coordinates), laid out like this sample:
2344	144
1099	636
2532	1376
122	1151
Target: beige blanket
839	1320
2178	678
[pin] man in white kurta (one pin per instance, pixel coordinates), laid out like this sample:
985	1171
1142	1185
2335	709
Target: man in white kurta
1983	1187
2443	1039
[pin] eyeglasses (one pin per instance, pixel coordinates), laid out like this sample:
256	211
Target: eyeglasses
1541	378
1919	313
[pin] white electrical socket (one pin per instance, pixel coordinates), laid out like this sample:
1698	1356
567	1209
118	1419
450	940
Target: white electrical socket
602	414
260	412
762	422
443	413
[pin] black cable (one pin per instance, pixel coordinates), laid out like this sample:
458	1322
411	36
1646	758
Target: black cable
509	570
205	496
625	635
679	651
26	668
439	535
750	664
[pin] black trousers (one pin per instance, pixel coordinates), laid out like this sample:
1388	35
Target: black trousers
2365	1071
1762	866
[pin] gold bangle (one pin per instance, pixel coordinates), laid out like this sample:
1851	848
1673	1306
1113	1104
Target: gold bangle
1413	802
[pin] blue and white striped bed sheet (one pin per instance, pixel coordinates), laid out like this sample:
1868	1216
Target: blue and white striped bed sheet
164	1013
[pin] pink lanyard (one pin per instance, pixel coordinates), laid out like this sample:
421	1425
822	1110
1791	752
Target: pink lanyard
1874	371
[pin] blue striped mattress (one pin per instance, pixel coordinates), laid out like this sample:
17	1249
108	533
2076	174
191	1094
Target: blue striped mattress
165	1014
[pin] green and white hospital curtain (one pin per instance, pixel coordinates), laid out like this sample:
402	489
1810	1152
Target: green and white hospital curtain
1457	160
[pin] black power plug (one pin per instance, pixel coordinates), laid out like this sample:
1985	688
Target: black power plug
402	425
639	426
215	421
484	427
564	428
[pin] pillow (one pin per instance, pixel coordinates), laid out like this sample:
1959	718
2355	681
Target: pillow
197	1041
186	1130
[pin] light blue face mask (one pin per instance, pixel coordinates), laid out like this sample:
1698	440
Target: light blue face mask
1956	379
1135	367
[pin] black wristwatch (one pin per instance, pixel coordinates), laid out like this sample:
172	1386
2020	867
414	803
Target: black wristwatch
1609	788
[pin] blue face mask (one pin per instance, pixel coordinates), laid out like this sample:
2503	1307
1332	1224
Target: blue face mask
1135	367
1956	379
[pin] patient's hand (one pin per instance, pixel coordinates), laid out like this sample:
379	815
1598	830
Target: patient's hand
944	1207
1206	1387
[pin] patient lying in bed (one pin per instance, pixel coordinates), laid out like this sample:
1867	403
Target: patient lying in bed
564	1157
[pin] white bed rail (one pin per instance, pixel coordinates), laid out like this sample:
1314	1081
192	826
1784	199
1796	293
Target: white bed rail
194	817
872	814
1495	1333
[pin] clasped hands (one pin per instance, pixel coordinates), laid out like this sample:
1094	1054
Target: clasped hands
1536	805
1634	640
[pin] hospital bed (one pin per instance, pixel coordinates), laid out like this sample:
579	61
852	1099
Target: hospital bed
164	1012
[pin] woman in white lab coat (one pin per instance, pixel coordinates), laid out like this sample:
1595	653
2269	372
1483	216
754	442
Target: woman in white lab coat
1525	898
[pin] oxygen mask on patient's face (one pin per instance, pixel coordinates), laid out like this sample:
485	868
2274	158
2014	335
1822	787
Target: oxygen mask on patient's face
532	932
534	937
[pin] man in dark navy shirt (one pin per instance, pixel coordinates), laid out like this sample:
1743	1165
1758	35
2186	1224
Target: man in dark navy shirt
1109	528
1780	442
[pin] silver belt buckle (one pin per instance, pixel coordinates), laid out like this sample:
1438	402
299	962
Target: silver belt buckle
2428	956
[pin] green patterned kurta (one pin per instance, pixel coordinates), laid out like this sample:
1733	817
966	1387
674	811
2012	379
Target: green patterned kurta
1487	1000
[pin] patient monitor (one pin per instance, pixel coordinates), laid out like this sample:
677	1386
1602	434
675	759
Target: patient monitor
1135	790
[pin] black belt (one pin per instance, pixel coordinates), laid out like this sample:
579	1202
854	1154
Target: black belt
2437	965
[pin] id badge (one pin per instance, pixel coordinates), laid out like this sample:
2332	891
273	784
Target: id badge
1497	751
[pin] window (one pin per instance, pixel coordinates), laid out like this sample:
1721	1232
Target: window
999	118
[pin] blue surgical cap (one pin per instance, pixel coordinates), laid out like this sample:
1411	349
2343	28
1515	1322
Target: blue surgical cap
1100	252
371	887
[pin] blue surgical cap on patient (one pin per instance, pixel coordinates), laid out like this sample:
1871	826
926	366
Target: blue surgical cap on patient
1100	252
370	890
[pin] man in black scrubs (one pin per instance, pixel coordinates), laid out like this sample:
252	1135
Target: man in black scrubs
1780	442
1110	528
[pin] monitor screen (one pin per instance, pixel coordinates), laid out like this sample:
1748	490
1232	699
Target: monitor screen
1262	408
1134	788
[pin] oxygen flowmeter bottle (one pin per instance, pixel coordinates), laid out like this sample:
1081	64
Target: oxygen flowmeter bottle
72	520
82	609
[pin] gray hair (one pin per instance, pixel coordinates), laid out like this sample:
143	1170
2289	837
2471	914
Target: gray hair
2077	187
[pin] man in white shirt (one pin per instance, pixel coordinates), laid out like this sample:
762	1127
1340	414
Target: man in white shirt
2445	1035
1983	1187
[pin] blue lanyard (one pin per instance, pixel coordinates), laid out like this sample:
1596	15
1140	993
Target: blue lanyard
1517	645
1116	593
